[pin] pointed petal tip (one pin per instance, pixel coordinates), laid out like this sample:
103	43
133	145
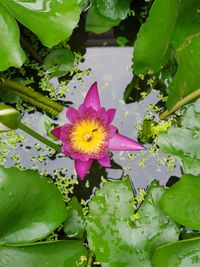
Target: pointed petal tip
122	143
105	161
82	167
92	97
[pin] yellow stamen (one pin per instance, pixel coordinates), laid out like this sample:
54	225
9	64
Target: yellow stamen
88	136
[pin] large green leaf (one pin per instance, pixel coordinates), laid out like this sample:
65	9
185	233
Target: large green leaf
188	22
187	78
97	23
31	207
184	142
114	238
51	254
182	201
184	253
51	20
113	9
11	53
152	44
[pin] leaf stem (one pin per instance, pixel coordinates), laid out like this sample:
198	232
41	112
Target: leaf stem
180	103
39	137
90	258
25	44
35	98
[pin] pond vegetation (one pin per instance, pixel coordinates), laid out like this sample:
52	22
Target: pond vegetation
137	207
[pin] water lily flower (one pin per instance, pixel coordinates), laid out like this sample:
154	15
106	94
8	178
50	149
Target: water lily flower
90	135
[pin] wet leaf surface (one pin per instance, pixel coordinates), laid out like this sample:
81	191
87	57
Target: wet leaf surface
118	241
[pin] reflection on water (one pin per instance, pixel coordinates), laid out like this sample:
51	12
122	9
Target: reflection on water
111	68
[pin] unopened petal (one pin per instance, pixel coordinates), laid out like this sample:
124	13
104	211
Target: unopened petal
72	114
56	132
82	167
122	143
92	97
105	161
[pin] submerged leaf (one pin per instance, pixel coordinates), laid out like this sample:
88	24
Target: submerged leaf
30	206
186	193
51	254
74	225
60	61
184	253
114	238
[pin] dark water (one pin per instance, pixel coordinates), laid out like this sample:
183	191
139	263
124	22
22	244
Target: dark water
111	67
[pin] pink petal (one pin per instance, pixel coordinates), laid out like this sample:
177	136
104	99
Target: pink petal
111	114
72	114
122	143
112	130
92	97
56	132
82	167
105	161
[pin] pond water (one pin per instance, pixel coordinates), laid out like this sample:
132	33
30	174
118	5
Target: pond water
111	67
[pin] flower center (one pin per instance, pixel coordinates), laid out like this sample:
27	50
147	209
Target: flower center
89	136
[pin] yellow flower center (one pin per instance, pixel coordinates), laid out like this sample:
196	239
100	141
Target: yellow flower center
88	136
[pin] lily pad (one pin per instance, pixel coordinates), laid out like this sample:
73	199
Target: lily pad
51	254
184	253
114	238
31	207
186	193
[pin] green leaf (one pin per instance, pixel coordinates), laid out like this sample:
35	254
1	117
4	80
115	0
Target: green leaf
11	53
74	225
9	118
188	22
113	9
186	193
97	23
185	82
51	254
114	238
51	20
31	207
184	253
60	61
184	142
151	50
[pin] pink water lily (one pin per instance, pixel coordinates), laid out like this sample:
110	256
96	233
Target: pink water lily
90	135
